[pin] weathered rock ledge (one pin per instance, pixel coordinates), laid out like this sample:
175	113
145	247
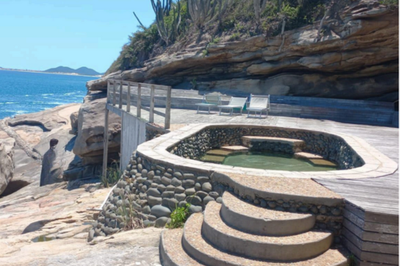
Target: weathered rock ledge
357	59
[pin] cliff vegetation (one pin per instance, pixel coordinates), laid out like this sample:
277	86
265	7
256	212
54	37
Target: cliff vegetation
181	23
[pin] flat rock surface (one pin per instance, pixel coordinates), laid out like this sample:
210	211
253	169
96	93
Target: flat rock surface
64	217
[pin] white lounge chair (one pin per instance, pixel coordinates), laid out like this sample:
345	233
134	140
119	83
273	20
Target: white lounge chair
234	102
258	103
209	100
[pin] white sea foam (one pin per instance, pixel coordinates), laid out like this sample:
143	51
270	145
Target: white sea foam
71	93
20	112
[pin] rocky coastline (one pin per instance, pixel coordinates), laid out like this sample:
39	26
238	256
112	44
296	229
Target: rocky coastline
49	225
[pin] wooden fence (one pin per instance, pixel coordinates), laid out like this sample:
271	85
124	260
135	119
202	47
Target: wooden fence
119	93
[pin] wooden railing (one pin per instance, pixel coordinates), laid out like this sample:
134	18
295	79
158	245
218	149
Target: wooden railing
117	89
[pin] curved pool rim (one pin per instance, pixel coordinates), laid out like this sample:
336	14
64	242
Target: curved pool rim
375	163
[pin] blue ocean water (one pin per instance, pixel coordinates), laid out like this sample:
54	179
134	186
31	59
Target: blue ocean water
26	92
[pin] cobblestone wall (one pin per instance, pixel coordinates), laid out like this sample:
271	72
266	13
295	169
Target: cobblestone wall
152	188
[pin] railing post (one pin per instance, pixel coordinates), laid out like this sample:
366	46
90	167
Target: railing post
168	109
128	101
114	93
151	115
139	100
105	143
108	91
120	95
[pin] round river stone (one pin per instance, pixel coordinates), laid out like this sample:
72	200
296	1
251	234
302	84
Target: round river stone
159	211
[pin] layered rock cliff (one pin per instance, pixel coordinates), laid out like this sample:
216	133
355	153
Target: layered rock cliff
356	58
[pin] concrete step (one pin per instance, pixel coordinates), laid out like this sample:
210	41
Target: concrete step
297	247
307	155
219	152
322	162
273	144
171	250
197	247
261	221
235	148
212	158
275	188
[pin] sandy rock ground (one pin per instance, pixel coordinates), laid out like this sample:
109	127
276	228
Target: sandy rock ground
49	225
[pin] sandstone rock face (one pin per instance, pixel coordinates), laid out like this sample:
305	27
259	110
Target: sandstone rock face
6	162
89	141
355	59
74	122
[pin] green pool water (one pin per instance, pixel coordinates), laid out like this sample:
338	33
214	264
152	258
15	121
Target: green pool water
272	161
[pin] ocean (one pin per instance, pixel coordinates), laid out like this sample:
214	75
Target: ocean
27	92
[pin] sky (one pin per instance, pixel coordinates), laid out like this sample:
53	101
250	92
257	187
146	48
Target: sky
42	34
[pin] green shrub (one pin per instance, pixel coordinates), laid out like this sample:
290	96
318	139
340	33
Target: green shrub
389	2
128	216
215	41
234	37
238	20
193	82
179	216
113	175
352	260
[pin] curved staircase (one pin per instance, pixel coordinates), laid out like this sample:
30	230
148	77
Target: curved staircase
238	233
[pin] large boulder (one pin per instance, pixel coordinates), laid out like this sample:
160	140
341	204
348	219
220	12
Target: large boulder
74	122
6	162
89	141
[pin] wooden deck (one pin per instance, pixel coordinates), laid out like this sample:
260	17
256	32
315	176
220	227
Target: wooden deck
371	216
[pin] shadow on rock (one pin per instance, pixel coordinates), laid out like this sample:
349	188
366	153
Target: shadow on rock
14	186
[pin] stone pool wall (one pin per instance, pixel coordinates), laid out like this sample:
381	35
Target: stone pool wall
153	189
331	147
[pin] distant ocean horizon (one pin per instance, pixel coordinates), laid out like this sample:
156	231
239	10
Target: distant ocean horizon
29	92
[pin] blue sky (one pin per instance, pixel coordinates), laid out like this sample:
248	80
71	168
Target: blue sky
41	34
